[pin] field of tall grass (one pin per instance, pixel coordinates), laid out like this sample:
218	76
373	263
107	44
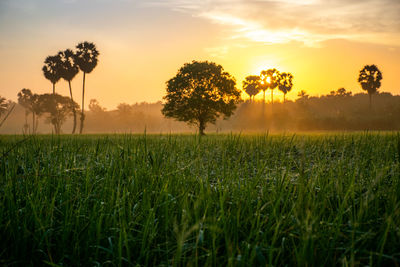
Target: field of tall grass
218	200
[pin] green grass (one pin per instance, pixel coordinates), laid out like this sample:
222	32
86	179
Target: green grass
256	200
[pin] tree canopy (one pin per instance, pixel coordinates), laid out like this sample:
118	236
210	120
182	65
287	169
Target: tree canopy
285	83
252	85
370	79
200	92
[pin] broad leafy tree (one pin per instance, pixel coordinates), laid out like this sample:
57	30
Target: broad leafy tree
285	83
200	92
51	70
58	108
269	80
86	57
251	85
370	79
68	71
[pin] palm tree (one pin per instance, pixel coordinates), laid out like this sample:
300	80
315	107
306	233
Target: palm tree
68	71
269	80
86	59
285	83
251	85
51	70
370	79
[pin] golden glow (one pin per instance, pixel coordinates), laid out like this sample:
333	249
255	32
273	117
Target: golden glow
268	79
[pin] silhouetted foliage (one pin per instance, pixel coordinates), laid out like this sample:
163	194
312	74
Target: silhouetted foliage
340	92
57	108
68	71
303	94
86	57
285	83
94	106
51	70
270	80
31	104
370	79
200	93
252	85
3	105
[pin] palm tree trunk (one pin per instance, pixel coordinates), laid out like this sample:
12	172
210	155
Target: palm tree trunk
83	104
284	98
73	111
264	96
54	88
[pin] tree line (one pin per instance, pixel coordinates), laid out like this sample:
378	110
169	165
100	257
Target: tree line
200	93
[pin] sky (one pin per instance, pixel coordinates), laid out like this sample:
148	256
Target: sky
142	44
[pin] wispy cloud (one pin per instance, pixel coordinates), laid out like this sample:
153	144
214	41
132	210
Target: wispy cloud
307	21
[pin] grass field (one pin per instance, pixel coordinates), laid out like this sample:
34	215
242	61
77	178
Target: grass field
181	200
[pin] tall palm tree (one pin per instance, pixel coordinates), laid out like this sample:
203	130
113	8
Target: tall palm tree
285	84
86	59
370	79
269	79
51	70
68	71
251	85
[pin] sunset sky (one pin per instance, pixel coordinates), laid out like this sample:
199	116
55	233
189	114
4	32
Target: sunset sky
142	44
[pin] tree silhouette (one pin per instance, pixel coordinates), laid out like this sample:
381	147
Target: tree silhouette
68	71
342	92
86	57
303	95
251	85
200	92
285	83
370	79
6	107
58	108
30	102
3	106
269	80
51	70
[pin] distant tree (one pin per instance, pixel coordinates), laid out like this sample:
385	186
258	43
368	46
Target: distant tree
370	79
251	85
342	92
68	71
6	107
3	105
269	80
94	106
303	95
30	102
200	92
51	70
58	109
86	57
285	83
124	109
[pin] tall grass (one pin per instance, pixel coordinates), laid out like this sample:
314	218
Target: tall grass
217	200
